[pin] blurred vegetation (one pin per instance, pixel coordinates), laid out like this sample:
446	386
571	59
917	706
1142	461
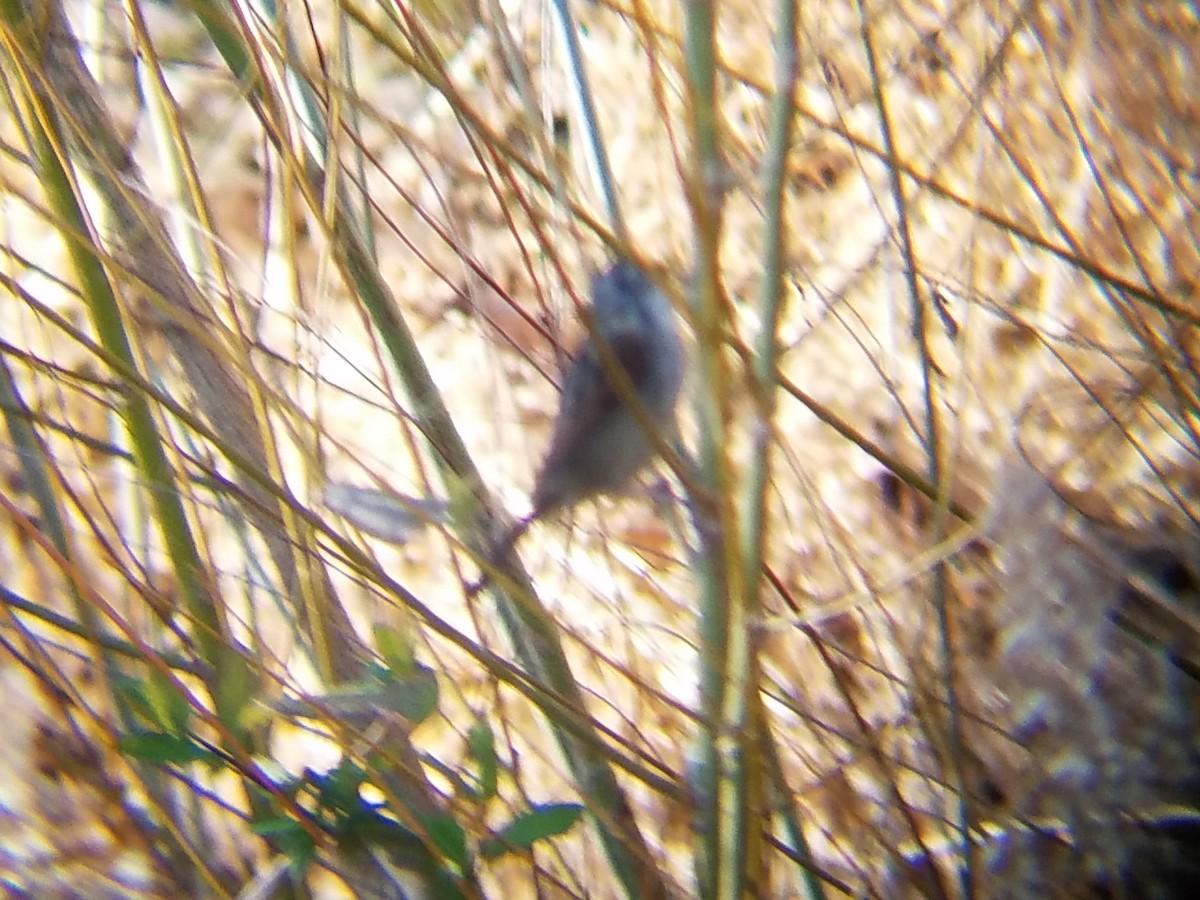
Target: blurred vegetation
910	607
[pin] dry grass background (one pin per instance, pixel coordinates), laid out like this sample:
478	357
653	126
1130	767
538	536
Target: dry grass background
1053	151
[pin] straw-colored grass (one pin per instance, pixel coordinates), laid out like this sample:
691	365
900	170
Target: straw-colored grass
966	611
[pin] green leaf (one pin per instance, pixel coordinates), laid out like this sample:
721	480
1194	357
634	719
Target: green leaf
236	688
338	789
415	697
446	886
449	838
154	746
542	821
290	838
169	707
136	695
272	828
396	651
481	745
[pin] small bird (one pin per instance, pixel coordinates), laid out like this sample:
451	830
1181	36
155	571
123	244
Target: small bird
599	444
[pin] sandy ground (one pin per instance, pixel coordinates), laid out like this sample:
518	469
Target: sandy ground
1051	216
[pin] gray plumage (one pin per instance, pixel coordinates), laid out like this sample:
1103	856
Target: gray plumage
598	443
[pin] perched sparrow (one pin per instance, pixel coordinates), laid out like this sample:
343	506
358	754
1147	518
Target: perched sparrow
599	444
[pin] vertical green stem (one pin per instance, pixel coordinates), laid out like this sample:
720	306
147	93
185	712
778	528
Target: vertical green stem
728	787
